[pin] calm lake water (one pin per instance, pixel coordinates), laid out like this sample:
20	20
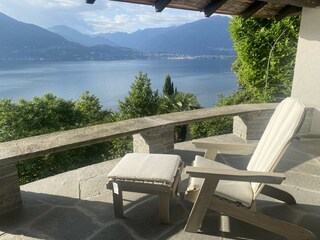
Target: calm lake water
110	81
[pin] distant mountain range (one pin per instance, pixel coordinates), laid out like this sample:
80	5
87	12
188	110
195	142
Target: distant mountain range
204	37
73	35
208	36
27	42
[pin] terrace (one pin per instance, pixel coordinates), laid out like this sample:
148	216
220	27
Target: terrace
76	204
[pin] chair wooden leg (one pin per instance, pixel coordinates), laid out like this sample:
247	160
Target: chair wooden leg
164	209
288	230
201	205
278	194
118	204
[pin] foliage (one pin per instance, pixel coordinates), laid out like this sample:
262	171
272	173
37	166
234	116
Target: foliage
266	51
142	100
90	110
264	66
41	115
181	101
168	87
217	126
50	114
213	127
174	101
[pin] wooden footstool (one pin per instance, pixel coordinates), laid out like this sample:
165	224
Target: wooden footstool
157	174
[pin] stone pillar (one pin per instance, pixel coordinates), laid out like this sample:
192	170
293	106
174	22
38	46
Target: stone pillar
306	80
10	197
250	126
159	140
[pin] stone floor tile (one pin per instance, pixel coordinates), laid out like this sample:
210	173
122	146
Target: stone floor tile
65	223
22	217
113	232
99	211
144	218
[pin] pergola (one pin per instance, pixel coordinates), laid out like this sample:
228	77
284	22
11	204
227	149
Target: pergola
244	8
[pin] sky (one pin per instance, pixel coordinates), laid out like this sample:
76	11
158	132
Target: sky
100	17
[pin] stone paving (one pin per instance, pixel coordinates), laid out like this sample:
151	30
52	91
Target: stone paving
76	204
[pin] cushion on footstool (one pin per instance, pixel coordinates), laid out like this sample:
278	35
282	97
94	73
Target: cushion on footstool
160	168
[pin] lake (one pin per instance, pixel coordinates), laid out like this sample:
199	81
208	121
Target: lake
110	80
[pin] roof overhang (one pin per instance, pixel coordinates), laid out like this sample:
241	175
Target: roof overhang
245	8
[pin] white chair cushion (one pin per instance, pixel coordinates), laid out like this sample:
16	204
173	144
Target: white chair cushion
147	167
232	190
283	125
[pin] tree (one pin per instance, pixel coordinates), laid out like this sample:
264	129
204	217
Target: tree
142	100
51	114
38	116
266	51
264	66
168	87
90	110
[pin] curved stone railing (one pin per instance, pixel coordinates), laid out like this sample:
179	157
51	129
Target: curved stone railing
151	134
30	147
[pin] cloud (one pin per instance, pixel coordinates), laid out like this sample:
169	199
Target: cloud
103	16
101	22
167	19
45	4
130	17
70	3
54	3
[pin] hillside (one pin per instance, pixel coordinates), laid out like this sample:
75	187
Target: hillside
73	35
204	37
27	42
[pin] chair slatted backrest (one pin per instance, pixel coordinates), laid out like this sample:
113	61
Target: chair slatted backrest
281	129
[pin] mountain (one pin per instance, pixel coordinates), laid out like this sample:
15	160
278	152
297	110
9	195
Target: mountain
27	42
208	36
137	39
73	35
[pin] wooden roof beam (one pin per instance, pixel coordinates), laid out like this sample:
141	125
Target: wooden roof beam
252	9
213	6
286	11
90	1
161	4
297	3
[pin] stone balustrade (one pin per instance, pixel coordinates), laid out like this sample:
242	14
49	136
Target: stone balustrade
154	134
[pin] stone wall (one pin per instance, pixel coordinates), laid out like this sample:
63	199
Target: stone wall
9	188
159	140
156	135
250	126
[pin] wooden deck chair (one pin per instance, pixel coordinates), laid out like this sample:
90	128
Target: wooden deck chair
233	192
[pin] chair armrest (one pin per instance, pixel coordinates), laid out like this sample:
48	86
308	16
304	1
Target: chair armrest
236	175
224	147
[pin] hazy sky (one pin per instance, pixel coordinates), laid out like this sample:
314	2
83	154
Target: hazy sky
103	16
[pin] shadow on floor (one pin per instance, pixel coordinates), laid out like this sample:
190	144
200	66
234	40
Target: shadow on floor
47	216
55	217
